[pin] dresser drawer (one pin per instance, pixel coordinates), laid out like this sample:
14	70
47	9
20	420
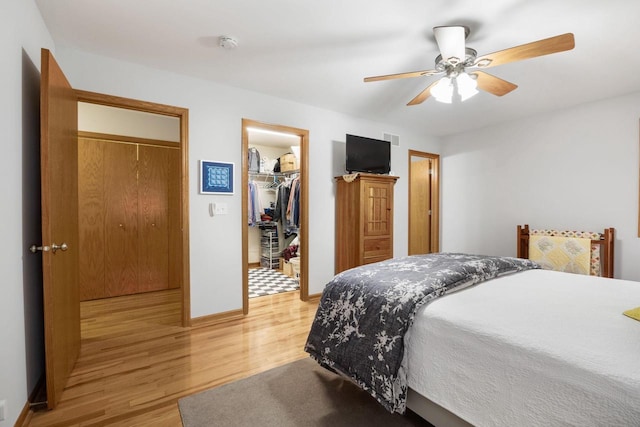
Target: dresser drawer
377	249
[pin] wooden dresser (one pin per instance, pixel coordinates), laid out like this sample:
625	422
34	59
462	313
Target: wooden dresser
364	220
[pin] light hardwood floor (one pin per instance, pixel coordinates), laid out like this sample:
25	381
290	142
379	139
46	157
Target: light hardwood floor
136	361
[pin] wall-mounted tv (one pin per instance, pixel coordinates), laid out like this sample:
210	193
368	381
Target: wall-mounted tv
368	155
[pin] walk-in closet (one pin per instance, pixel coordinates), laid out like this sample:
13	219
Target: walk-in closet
273	213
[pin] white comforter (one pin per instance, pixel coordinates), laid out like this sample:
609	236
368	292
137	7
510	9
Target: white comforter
537	348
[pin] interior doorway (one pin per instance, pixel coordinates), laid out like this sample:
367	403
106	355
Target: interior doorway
275	232
424	205
168	140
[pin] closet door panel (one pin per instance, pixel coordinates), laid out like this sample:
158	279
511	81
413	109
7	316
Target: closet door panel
91	218
153	205
121	219
174	220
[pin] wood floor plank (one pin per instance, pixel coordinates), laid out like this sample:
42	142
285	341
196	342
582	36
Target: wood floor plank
136	360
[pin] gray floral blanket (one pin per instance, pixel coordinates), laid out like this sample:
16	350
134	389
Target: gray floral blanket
364	313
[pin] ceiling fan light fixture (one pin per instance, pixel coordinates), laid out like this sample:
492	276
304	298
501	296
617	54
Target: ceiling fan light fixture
443	90
450	40
455	57
467	86
485	62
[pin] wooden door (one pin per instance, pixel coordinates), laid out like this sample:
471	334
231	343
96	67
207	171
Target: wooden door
91	218
120	219
153	206
424	202
420	206
174	220
59	181
130	234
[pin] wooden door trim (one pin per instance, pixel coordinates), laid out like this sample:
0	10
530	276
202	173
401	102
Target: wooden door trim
128	139
435	198
304	205
183	115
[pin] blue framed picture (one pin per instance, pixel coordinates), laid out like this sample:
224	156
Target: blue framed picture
216	177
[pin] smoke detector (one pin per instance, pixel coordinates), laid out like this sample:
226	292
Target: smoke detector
228	42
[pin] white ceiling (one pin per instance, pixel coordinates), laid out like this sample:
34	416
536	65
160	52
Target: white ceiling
318	52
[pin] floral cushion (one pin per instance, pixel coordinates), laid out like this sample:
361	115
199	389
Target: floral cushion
596	268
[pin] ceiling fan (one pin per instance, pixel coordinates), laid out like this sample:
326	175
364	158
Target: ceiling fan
460	66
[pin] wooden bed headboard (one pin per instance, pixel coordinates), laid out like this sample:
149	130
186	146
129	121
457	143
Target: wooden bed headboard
605	244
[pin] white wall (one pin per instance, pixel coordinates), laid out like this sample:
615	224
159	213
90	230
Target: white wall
215	114
121	121
572	169
23	34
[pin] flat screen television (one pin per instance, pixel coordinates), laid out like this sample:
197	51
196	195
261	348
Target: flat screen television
368	155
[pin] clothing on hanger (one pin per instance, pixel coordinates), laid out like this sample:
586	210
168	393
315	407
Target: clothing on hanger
254	204
254	160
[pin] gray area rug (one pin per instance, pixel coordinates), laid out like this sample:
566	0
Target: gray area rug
298	394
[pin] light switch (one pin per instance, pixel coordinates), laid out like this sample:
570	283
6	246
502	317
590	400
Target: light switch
221	209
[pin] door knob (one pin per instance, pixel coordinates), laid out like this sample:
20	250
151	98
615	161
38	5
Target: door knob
34	248
53	248
62	247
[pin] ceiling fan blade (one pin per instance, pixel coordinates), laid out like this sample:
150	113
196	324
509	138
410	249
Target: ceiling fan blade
402	75
423	95
451	42
555	44
493	84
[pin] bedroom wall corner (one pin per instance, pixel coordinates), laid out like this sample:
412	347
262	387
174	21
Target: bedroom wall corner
575	168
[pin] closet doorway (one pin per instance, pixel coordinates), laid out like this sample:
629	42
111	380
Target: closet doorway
424	205
270	227
133	190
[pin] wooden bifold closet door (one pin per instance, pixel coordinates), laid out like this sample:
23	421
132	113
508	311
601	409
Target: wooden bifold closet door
158	218
129	216
120	191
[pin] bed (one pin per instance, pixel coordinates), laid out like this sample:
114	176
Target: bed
526	347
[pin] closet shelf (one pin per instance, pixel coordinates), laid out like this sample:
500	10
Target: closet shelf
273	174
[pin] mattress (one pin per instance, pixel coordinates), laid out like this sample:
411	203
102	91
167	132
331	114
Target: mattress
536	348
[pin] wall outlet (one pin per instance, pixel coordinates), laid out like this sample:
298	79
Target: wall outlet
3	404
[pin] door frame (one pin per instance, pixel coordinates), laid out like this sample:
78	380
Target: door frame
434	227
183	115
303	134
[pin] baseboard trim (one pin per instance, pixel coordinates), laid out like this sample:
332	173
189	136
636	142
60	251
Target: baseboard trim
24	417
32	405
214	319
314	297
